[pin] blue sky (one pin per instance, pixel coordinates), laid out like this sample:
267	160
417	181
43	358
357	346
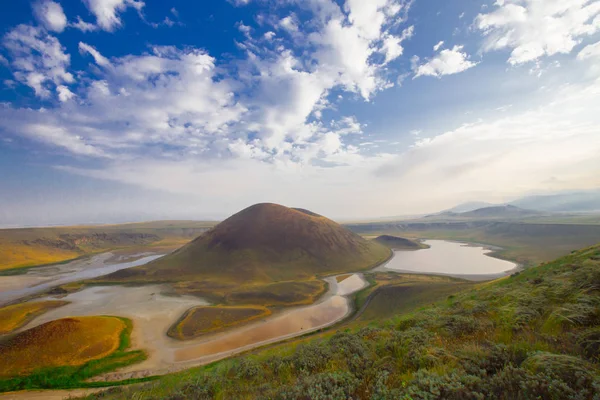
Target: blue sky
123	110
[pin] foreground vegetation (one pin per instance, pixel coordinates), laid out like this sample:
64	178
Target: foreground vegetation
533	335
65	353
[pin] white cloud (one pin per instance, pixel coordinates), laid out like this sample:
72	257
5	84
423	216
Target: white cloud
107	11
438	45
589	52
3	61
289	24
532	29
83	26
64	94
39	60
165	98
269	35
392	45
50	14
245	29
99	58
447	62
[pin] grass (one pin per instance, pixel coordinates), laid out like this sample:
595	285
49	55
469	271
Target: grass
72	372
15	316
203	320
279	294
531	335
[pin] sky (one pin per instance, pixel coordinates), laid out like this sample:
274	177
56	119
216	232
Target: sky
129	110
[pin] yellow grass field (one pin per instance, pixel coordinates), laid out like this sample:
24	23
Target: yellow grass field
15	316
64	342
16	255
202	320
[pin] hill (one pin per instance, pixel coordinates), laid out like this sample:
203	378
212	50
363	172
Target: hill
264	243
399	243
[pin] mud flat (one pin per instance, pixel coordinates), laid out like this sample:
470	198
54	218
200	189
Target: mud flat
333	307
37	280
153	309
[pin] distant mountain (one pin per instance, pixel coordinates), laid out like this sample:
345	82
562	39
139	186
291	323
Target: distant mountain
504	211
588	201
470	206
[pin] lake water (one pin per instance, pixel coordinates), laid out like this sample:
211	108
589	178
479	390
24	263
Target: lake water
450	258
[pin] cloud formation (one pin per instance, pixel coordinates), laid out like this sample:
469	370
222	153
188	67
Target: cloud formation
533	29
39	60
50	14
446	62
107	12
268	124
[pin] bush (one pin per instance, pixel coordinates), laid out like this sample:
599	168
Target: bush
325	386
311	357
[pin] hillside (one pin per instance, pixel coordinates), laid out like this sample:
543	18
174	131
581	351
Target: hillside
28	247
399	243
266	242
533	335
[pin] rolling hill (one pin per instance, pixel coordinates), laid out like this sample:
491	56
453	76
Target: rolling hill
261	244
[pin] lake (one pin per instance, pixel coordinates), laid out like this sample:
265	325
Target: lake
450	258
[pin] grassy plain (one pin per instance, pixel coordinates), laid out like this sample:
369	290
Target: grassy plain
531	335
29	247
17	315
291	293
202	320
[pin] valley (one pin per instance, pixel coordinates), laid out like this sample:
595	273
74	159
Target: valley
257	281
